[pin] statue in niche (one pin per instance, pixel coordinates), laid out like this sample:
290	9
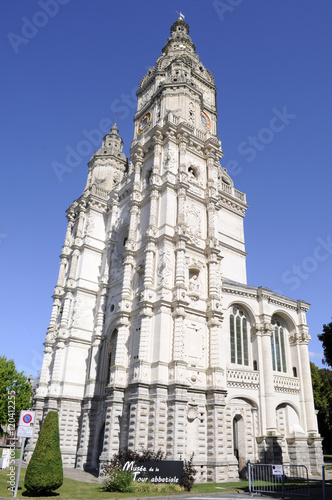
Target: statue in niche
195	288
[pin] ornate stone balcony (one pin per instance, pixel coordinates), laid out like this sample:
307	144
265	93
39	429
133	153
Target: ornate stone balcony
227	188
242	378
290	385
102	193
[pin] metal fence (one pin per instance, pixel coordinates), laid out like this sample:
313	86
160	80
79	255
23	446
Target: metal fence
282	479
326	483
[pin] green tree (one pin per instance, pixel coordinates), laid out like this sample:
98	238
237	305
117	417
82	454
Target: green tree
44	473
322	390
326	339
12	382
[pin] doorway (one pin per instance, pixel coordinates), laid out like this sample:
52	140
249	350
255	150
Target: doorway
239	444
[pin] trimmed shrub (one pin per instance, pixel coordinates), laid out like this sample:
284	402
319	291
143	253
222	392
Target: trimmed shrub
44	473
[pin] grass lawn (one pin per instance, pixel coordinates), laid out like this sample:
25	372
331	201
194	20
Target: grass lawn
17	452
328	462
77	490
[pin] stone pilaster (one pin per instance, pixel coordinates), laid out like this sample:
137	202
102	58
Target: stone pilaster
177	423
114	410
139	401
157	433
264	332
215	404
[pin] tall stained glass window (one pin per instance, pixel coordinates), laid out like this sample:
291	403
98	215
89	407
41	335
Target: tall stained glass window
278	346
239	337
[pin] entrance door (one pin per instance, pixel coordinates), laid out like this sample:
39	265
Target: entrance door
235	438
239	444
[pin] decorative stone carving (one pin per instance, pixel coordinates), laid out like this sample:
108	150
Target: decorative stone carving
193	224
192	413
191	117
169	160
164	268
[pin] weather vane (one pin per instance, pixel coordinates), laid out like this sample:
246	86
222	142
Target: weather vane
181	15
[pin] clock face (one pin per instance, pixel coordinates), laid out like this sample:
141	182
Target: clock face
144	123
206	121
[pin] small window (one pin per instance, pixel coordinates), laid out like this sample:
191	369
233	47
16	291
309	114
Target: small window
192	171
255	365
149	176
294	371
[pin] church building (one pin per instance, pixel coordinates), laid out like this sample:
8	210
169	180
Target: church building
155	339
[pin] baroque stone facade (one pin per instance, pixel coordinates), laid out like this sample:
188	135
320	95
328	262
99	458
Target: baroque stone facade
155	338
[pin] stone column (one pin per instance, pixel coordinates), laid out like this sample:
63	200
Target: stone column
178	338
144	342
264	331
305	377
149	264
66	311
45	370
55	378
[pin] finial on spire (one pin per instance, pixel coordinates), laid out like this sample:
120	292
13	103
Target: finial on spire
181	15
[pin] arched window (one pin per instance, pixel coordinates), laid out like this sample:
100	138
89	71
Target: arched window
193	171
239	337
278	346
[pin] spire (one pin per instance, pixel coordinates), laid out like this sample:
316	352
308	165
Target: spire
112	144
108	164
180	40
178	88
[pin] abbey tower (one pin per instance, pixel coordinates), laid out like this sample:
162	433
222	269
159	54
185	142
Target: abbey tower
155	338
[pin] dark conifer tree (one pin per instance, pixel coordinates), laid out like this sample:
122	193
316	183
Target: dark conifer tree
44	473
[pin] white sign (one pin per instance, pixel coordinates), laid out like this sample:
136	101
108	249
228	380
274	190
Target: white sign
277	470
4	462
24	432
27	418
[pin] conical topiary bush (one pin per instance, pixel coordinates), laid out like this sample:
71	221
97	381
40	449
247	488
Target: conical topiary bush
44	473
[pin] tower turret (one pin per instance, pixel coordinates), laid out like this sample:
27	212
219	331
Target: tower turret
108	164
179	89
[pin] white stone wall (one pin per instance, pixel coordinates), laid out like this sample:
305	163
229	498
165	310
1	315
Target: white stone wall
138	351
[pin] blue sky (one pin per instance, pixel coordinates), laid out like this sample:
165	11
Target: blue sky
69	64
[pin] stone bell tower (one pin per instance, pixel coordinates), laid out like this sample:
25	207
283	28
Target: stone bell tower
153	337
